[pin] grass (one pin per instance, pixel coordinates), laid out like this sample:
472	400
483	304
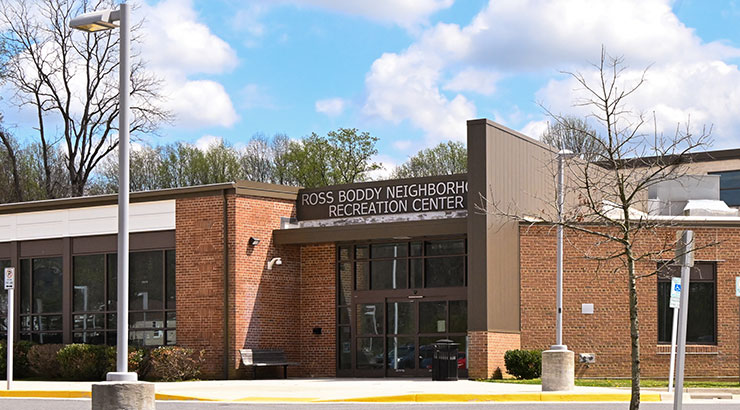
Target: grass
628	383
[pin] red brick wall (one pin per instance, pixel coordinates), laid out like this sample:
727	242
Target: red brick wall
486	352
318	309
199	283
606	332
264	304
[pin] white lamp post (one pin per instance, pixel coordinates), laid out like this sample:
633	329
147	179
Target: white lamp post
91	22
557	362
562	156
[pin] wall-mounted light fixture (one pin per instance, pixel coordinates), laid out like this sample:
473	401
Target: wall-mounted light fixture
253	241
274	261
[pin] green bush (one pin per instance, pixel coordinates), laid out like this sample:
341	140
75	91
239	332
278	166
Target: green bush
136	358
524	364
173	363
20	359
42	361
83	361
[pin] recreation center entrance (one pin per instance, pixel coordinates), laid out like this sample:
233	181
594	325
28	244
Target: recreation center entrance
395	300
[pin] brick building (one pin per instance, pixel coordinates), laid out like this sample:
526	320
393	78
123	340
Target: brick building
359	280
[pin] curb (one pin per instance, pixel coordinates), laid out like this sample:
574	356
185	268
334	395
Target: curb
404	398
504	397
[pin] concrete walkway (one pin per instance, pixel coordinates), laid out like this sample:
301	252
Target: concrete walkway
356	390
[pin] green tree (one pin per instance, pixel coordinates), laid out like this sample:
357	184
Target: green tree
447	158
342	157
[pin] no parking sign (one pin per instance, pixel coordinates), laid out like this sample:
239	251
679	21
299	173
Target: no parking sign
9	278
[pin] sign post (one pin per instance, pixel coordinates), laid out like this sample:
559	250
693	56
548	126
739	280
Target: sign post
675	301
685	258
9	279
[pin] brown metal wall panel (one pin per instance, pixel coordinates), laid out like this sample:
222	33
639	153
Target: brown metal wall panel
5	250
514	172
137	242
45	247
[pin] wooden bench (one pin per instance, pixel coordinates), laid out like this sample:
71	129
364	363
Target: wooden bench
265	358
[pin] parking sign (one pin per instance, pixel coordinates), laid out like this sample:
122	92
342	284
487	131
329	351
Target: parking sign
675	292
9	278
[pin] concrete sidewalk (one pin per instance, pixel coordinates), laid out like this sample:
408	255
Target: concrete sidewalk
343	390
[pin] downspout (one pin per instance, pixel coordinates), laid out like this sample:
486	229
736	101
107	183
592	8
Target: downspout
227	352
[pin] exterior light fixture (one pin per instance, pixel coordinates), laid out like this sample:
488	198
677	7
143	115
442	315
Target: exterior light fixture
274	261
92	22
96	20
253	241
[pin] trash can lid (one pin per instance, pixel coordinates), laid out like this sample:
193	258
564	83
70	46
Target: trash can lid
447	342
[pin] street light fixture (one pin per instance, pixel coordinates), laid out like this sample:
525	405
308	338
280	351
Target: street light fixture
562	156
92	22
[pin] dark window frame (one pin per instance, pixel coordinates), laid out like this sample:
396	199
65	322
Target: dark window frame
32	317
664	277
733	189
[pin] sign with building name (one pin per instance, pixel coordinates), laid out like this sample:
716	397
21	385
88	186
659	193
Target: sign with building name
675	292
9	274
418	195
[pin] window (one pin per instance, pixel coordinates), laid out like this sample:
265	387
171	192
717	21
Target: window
702	319
3	303
41	300
402	265
729	187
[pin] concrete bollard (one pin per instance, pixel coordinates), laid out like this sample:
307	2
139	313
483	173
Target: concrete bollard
558	368
123	396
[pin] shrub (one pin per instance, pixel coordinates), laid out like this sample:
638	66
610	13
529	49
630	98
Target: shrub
20	359
136	359
42	361
83	361
524	364
172	363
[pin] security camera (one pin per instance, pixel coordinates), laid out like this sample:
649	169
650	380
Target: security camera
274	261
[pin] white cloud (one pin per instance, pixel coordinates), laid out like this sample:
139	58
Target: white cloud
474	80
174	39
175	46
206	141
402	145
387	165
428	84
534	129
405	13
332	107
200	103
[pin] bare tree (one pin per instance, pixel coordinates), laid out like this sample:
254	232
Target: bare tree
70	79
256	159
573	134
611	190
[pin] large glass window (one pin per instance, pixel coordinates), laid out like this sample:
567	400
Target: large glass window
3	303
701	326
41	300
729	187
152	316
403	265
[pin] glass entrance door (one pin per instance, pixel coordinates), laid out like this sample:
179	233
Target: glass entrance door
394	301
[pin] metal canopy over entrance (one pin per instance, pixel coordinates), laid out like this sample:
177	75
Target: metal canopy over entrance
395	300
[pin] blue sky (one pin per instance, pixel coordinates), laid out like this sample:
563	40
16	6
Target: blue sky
411	72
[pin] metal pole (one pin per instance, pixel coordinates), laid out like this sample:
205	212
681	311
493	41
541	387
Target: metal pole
682	319
9	344
672	371
559	298
123	199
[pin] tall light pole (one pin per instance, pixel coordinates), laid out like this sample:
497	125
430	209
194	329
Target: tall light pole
92	22
562	156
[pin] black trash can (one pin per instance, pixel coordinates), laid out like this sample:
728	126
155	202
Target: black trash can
444	360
